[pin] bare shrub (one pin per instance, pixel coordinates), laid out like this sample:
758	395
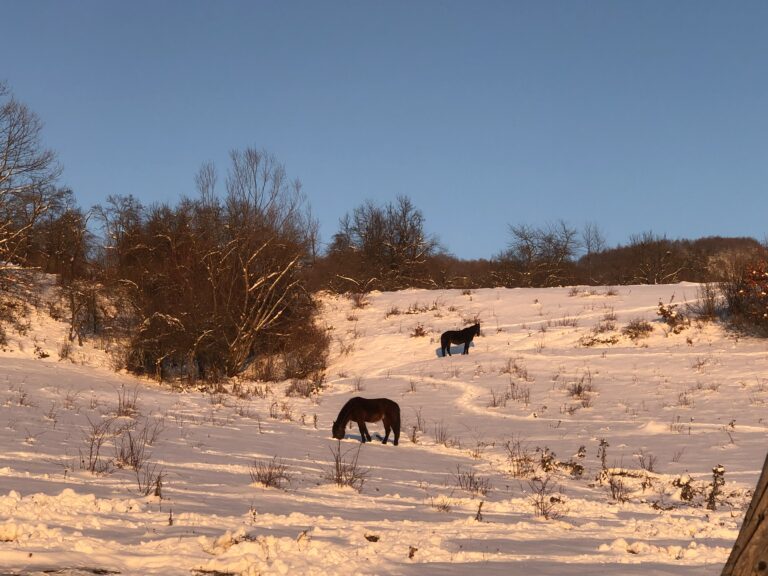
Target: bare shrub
566	322
302	388
546	498
262	391
443	504
498	399
709	304
306	353
345	349
685	399
70	399
674	318
441	433
420	420
392	311
345	470
419	331
149	480
718	481
270	473
637	328
678	454
417	308
746	296
131	445
469	481
95	437
605	325
522	463
520	393
286	411
266	369
65	350
647	461
515	366
677	426
582	389
130	451
359	299
589	340
152	430
617	487
127	402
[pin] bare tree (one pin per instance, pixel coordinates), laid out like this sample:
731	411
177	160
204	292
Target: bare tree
384	246
28	173
657	259
593	242
540	256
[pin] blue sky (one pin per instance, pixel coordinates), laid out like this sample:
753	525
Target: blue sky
635	116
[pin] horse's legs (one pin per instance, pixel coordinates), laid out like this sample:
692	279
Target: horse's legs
396	428
387	429
364	435
466	347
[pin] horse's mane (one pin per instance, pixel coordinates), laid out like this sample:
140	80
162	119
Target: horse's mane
344	412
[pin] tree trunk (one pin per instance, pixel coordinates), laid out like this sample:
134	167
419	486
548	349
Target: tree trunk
749	556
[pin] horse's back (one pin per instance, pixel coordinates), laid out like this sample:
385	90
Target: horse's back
372	407
386	404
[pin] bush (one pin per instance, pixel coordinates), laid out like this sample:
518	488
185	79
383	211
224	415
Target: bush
675	319
344	471
637	328
746	297
419	331
270	473
709	304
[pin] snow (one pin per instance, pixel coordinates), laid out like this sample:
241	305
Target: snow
682	404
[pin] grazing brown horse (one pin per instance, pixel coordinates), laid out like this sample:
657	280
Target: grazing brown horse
459	337
362	410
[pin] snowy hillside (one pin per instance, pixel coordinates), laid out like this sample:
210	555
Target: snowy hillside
559	445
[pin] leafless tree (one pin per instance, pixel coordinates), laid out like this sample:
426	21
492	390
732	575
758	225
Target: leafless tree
28	173
383	246
540	256
593	242
657	260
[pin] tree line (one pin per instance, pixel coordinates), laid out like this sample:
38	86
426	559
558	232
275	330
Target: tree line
222	283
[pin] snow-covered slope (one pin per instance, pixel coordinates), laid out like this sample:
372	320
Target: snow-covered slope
557	446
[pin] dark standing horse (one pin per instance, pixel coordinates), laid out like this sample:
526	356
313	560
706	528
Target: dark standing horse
459	337
362	410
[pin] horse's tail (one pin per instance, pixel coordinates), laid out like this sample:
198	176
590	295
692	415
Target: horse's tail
396	415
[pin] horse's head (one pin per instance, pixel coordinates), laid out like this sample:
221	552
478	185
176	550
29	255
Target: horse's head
337	430
477	329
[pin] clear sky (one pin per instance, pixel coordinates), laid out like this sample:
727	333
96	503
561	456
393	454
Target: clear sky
646	115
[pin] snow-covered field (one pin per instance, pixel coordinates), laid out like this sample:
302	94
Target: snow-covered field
506	474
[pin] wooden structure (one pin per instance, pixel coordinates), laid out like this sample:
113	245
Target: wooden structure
749	556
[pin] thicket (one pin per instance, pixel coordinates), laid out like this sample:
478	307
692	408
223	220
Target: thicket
746	295
214	284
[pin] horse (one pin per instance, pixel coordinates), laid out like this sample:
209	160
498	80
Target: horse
459	337
362	410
